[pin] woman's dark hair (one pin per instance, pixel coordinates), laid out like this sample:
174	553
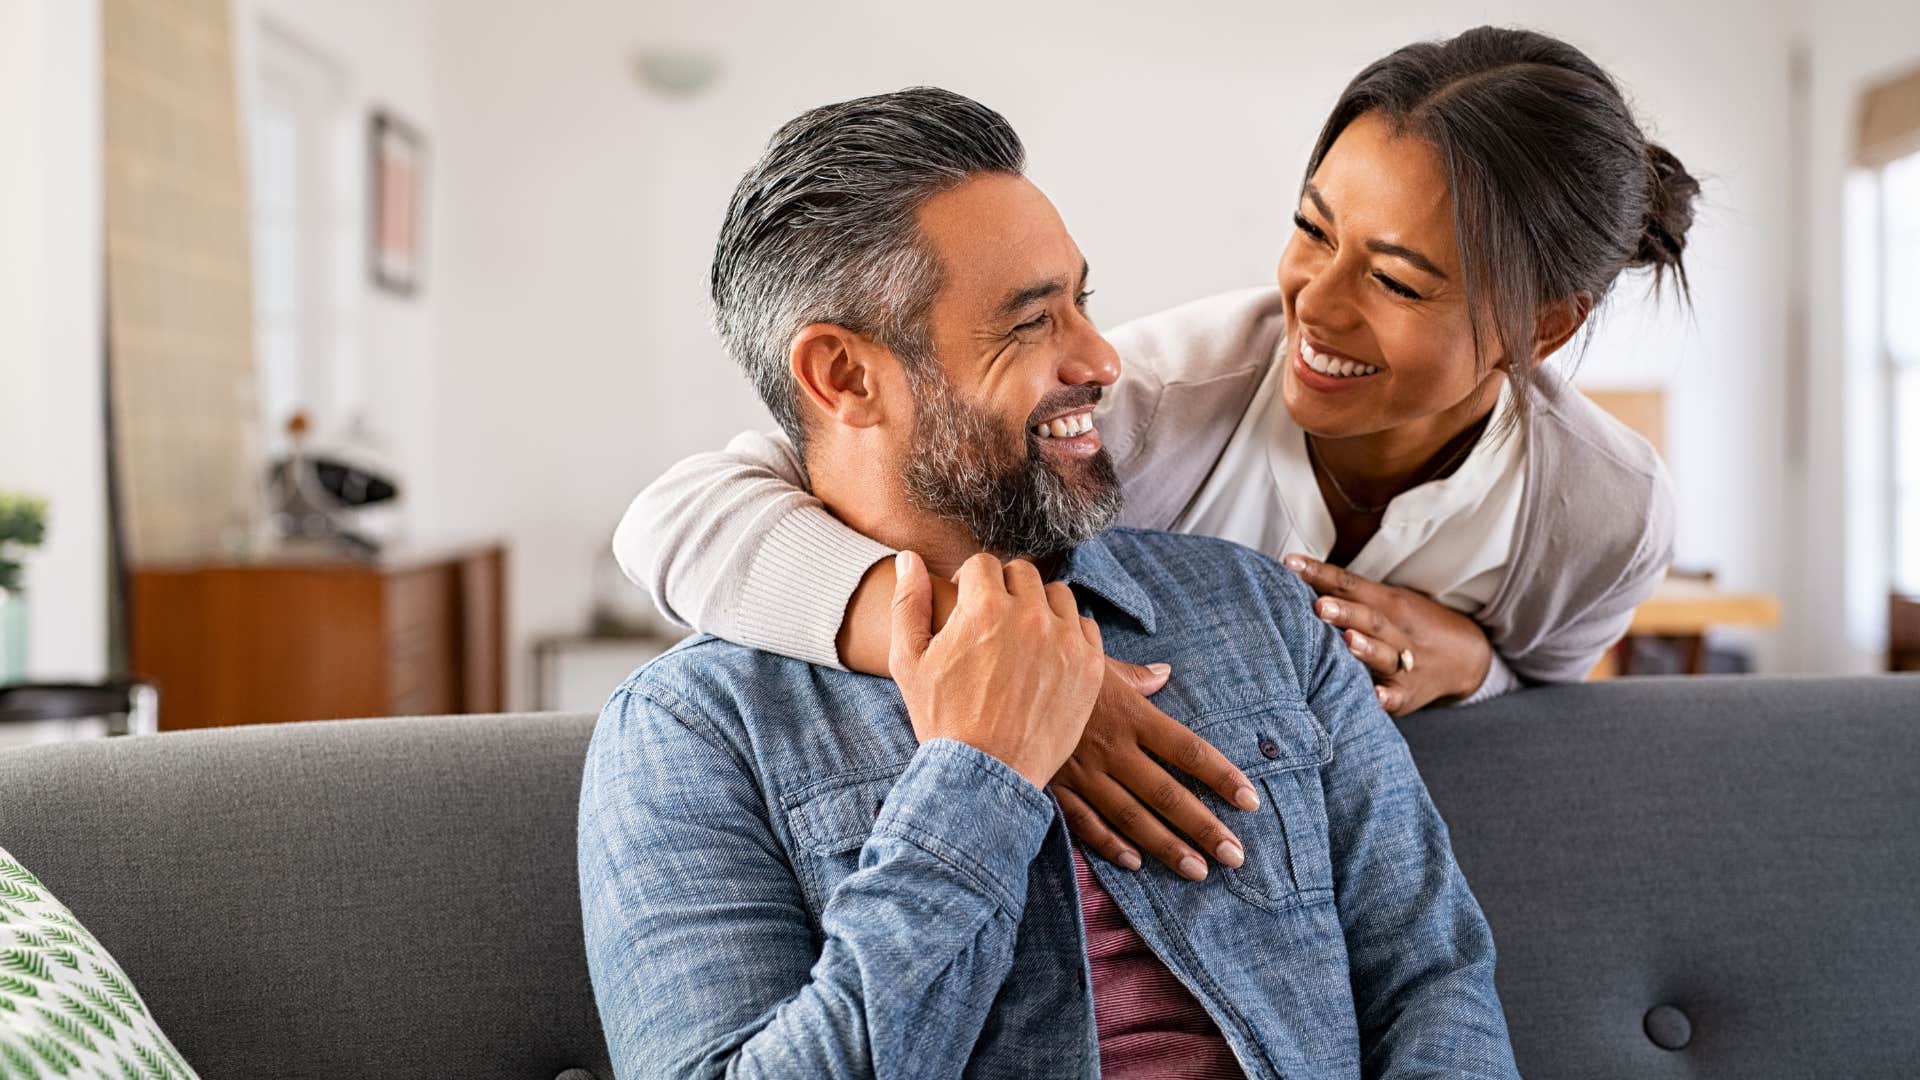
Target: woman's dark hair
1555	189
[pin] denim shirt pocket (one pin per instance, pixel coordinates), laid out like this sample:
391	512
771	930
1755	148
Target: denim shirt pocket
1283	750
830	822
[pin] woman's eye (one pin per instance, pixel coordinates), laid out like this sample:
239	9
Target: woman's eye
1300	222
1396	288
1033	324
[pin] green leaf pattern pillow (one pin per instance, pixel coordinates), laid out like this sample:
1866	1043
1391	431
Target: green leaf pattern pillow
66	1008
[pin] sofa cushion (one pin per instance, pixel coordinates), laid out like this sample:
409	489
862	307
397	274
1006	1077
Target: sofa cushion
65	1005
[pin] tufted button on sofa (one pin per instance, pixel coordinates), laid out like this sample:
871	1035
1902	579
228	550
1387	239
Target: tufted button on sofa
1685	878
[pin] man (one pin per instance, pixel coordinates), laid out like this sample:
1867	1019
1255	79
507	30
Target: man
790	870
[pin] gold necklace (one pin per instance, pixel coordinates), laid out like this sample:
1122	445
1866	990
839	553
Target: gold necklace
1314	459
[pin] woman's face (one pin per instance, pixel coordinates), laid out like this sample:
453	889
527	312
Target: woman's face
1378	330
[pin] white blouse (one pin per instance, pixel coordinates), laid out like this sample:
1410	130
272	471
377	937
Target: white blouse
1448	538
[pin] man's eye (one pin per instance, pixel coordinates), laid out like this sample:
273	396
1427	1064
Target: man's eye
1037	323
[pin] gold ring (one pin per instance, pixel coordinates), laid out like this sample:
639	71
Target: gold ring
1406	659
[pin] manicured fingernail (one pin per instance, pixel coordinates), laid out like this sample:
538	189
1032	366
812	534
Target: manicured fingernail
1381	693
1160	669
1129	860
1355	641
1330	609
1193	868
1229	852
1246	799
1296	564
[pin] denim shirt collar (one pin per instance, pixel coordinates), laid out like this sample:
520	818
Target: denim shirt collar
1093	568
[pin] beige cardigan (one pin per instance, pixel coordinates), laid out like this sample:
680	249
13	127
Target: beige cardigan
728	541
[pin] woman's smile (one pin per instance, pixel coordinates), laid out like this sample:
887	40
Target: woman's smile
1320	368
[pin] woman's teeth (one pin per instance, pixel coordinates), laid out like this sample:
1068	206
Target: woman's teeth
1333	365
1066	427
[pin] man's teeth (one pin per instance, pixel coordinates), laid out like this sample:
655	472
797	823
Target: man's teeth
1333	365
1065	427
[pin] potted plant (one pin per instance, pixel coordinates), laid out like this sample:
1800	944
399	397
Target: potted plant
23	525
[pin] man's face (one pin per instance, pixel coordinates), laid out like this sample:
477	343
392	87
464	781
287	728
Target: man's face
1002	438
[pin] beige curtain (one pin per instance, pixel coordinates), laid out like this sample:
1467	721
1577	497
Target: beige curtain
178	276
1890	120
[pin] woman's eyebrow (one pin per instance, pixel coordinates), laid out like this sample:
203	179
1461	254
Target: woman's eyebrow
1418	260
1319	202
1382	247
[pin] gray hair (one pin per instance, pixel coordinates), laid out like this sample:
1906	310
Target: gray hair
824	229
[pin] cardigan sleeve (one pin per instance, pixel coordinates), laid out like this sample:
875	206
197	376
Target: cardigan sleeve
731	543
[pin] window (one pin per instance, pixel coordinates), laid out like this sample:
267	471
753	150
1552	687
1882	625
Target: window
1900	343
301	229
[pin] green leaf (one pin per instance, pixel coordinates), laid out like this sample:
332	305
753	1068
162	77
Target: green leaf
21	962
70	923
12	910
13	871
107	1005
68	937
17	987
172	1056
128	1071
118	987
66	957
66	1027
156	1066
87	1014
33	939
21	1063
13	890
58	1058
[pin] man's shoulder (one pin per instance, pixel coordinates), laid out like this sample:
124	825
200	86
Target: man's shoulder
1187	567
704	677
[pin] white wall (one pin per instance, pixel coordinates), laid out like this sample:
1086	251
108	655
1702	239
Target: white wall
581	211
558	357
1842	572
385	52
50	407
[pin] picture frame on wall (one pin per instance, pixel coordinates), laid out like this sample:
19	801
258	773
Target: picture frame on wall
397	155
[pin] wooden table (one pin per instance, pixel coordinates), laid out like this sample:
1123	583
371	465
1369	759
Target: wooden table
417	631
1683	610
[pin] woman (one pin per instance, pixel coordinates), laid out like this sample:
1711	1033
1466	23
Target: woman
1381	421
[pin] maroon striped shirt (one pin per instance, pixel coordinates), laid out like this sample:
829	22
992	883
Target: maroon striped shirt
1151	1027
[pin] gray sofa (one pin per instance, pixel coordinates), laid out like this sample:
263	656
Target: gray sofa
1686	878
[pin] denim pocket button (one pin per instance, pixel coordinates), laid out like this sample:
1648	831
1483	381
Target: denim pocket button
1269	749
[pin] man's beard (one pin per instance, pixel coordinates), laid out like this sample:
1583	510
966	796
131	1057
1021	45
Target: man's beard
1017	504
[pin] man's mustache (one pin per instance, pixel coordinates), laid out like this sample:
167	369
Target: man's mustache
1073	397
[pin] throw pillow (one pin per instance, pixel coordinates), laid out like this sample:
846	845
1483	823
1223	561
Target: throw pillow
66	1008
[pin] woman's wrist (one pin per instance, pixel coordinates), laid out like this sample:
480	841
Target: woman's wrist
866	630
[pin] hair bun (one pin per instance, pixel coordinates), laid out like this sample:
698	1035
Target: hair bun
1671	191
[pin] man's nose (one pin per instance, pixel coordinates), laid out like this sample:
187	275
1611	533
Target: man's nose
1090	359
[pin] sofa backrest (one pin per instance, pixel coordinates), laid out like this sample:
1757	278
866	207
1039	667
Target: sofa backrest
1726	866
372	898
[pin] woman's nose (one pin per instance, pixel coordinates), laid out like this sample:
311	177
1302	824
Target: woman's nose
1325	299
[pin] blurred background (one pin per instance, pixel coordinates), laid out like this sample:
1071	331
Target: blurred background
335	335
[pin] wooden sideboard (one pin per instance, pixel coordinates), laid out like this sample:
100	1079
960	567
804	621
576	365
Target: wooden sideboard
412	633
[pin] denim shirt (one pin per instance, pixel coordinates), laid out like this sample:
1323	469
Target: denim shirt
778	880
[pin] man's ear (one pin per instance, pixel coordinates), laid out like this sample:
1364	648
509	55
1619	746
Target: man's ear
839	373
1558	322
